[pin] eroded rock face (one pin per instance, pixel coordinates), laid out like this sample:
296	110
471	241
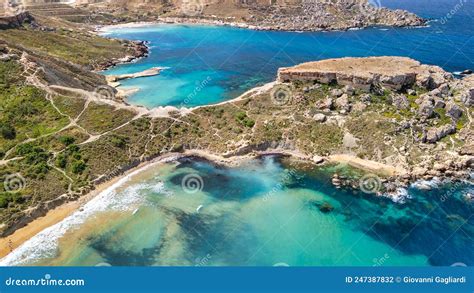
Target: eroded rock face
426	109
453	110
343	103
433	135
395	73
400	101
15	21
468	97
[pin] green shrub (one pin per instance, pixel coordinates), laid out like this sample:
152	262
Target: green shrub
7	131
61	161
118	141
78	167
243	119
67	140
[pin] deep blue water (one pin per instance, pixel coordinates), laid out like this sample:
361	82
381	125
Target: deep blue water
262	213
211	64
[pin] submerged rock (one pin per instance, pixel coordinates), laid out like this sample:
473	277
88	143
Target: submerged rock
326	207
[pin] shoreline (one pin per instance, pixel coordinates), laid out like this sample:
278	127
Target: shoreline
63	211
242	25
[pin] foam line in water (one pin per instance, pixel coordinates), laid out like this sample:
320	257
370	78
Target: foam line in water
45	243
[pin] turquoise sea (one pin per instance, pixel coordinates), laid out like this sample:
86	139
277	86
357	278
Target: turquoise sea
209	64
262	213
266	212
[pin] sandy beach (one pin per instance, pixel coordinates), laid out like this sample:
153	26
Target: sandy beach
20	236
7	244
372	166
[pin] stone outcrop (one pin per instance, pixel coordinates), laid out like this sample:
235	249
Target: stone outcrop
467	94
400	101
453	110
395	73
433	135
15	21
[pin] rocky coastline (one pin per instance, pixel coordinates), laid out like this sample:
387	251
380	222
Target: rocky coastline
424	105
299	15
139	49
403	76
275	26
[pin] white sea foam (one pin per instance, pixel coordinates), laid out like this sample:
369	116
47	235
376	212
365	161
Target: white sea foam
45	243
427	184
400	195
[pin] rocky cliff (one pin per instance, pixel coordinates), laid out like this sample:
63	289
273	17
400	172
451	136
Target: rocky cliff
395	73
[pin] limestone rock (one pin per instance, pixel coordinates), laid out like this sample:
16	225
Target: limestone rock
343	103
433	135
432	77
319	117
400	102
325	104
318	160
426	109
394	73
359	107
439	103
468	97
337	93
453	110
348	89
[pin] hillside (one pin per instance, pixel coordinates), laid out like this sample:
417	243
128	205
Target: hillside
296	15
61	135
63	129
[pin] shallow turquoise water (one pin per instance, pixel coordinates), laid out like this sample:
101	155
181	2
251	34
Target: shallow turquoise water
264	213
260	214
211	64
